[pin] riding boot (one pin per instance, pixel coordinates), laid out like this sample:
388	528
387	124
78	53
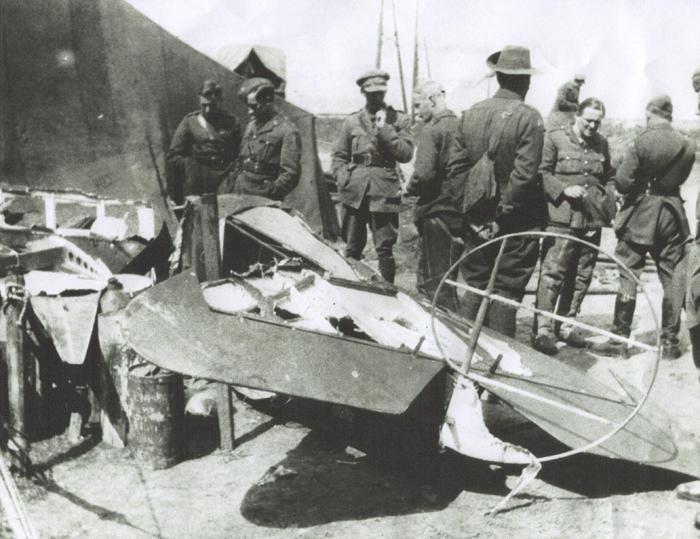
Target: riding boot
502	318
387	267
622	325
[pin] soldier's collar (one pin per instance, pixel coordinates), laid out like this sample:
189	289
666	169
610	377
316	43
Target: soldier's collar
268	125
445	113
504	93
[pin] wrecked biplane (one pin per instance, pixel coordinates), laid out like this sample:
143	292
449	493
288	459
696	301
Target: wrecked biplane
297	318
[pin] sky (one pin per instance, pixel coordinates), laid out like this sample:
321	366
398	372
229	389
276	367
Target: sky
629	50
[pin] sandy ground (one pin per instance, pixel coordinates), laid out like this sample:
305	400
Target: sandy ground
286	479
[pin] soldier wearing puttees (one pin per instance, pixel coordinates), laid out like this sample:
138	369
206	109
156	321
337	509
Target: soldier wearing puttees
204	147
438	220
566	103
517	131
371	142
576	174
270	157
652	220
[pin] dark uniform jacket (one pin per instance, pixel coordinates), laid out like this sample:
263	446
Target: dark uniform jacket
565	106
365	157
654	167
517	158
201	154
270	159
429	180
566	161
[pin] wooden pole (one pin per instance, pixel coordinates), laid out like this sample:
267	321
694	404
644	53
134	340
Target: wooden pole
398	55
225	412
209	219
427	58
416	68
483	309
380	36
210	237
16	364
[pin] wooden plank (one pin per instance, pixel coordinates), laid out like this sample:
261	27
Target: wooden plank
16	367
209	218
225	410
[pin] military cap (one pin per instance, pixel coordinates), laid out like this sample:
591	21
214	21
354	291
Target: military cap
512	60
580	78
696	73
210	88
373	81
661	106
256	84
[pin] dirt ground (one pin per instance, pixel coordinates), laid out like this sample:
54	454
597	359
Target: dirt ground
297	472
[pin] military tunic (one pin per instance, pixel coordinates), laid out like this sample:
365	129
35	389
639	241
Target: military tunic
652	219
364	166
521	203
437	219
201	154
270	159
567	266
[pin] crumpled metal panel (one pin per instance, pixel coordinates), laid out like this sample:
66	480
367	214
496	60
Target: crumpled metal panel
294	234
172	326
69	321
577	409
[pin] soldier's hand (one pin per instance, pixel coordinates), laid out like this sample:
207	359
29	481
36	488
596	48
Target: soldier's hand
380	117
575	191
487	231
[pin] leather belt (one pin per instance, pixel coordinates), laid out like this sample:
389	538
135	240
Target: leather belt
655	189
212	161
372	160
258	167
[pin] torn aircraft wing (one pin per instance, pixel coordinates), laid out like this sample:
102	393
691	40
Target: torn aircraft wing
172	326
69	322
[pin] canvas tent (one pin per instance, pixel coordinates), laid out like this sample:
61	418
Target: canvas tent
256	61
91	92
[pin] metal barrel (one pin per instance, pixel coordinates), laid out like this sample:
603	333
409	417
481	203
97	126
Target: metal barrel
156	414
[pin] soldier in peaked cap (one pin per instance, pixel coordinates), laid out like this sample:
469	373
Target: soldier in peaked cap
512	133
696	86
270	157
577	178
371	142
204	147
566	103
651	220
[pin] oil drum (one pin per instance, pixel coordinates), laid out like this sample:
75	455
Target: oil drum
156	414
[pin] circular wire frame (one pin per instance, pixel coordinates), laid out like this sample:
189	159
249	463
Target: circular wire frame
620	264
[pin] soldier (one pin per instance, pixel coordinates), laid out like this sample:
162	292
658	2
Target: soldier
575	169
512	133
651	220
696	87
270	159
372	141
204	147
566	103
438	220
